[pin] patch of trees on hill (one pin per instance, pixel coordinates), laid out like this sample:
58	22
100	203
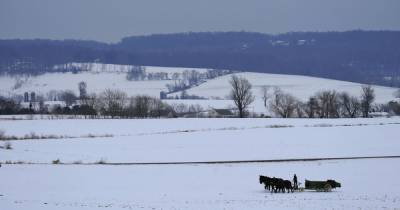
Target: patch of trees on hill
371	57
323	104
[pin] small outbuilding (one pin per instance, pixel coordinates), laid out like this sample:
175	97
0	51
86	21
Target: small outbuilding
221	113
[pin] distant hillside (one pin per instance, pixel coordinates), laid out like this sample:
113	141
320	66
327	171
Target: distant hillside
302	87
359	56
99	77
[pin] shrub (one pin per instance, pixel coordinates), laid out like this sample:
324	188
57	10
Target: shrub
101	161
7	145
56	161
2	135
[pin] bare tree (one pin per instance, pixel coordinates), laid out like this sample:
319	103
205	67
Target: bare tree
82	90
265	94
157	108
90	105
184	95
193	77
42	107
26	97
91	100
175	76
113	102
328	104
300	108
241	94
394	107
397	93
179	109
350	105
283	104
52	95
142	106
195	108
367	98
33	97
136	73
68	97
311	107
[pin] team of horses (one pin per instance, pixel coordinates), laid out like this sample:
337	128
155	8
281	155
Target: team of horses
276	184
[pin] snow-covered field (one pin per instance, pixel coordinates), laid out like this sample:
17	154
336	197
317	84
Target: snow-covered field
168	140
206	104
366	183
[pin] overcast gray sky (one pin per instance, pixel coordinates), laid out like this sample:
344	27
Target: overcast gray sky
110	20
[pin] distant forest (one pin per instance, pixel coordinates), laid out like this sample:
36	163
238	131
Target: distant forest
371	57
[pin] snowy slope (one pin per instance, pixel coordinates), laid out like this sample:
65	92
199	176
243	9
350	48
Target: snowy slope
99	78
96	83
301	87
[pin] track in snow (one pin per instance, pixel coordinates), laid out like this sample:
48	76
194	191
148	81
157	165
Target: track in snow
255	161
219	162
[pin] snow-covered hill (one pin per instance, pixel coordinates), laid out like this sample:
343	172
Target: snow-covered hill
98	78
301	87
102	76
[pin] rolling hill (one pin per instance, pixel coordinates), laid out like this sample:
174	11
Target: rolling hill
101	77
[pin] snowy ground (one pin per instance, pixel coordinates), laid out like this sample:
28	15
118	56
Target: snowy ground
206	104
169	140
366	183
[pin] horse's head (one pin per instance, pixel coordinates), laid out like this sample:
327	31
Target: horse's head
338	184
334	183
263	179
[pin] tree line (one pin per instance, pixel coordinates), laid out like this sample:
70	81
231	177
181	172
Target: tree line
370	57
323	104
116	103
109	103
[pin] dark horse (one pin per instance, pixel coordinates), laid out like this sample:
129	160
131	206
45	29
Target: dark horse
288	185
267	182
277	185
